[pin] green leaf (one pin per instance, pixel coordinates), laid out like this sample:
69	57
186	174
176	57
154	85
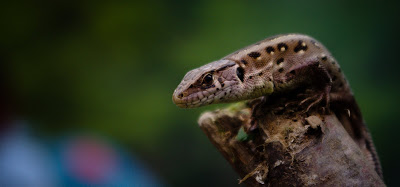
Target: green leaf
242	135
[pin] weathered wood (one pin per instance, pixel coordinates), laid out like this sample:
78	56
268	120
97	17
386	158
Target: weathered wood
289	147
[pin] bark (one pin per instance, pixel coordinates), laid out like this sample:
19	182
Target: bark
290	147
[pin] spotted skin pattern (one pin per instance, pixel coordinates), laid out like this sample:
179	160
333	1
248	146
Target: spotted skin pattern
276	65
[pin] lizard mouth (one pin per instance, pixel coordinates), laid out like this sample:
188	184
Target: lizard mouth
185	103
193	100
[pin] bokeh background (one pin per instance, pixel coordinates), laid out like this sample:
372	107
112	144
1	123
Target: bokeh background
86	85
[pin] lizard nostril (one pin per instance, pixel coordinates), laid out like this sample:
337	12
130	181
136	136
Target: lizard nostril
180	95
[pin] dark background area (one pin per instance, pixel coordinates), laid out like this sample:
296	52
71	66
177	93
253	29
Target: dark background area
111	68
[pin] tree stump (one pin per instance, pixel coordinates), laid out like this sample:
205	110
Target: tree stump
290	147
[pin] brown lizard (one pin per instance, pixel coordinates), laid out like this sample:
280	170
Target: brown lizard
278	64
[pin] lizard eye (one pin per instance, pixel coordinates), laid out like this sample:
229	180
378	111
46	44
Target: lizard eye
208	79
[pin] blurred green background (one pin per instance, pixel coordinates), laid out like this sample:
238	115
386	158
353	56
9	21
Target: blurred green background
110	68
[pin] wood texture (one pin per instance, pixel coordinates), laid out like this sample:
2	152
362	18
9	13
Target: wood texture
289	147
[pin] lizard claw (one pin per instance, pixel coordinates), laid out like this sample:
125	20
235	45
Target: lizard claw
290	103
319	99
253	126
307	99
255	107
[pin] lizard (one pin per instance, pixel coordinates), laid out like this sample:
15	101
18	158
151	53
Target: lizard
278	64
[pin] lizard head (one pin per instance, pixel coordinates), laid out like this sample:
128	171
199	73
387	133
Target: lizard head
220	81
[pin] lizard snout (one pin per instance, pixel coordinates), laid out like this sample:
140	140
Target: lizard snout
177	98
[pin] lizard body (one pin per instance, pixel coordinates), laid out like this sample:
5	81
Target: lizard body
277	64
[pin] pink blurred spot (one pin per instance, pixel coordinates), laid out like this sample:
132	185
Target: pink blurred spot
90	160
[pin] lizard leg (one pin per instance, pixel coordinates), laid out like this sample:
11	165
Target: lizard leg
256	107
324	83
